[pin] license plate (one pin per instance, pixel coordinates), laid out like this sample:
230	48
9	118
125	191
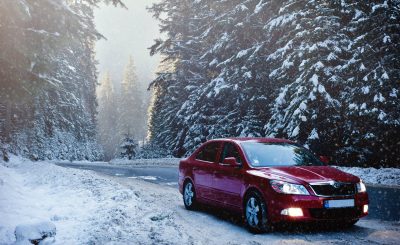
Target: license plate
345	203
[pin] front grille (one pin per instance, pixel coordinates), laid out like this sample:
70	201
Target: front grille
335	213
334	189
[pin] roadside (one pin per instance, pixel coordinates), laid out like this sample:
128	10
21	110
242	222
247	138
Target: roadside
166	162
90	208
373	176
154	174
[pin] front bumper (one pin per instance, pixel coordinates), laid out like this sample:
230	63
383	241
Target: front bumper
313	208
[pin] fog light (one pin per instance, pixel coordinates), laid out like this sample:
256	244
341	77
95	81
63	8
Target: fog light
294	212
365	208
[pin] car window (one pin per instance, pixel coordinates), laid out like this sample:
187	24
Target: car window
209	152
278	154
230	150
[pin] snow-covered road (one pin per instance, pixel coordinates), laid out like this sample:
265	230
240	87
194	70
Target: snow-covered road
90	208
155	174
384	200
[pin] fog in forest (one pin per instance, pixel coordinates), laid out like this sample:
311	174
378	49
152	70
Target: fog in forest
128	32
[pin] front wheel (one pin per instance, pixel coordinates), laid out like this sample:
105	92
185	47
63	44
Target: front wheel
256	213
189	196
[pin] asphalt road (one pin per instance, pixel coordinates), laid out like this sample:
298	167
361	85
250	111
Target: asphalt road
384	201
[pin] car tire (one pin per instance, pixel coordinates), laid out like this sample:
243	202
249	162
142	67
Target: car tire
255	213
189	196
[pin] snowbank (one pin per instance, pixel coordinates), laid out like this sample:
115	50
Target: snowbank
80	162
42	232
383	176
85	208
169	162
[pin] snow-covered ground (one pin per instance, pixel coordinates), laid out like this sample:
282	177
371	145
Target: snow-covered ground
384	176
88	208
84	207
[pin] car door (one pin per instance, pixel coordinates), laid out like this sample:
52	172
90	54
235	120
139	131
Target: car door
228	180
203	170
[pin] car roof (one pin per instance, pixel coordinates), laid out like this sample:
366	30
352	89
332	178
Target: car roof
256	139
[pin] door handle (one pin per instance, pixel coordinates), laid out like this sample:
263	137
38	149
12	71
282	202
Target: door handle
194	168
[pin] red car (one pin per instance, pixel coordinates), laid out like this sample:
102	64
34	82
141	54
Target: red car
270	181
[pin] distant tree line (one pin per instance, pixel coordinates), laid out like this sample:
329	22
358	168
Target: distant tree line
48	78
323	73
122	114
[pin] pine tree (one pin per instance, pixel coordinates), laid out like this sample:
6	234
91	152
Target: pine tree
209	73
307	68
329	106
131	105
48	77
128	147
107	118
40	42
372	92
180	67
296	69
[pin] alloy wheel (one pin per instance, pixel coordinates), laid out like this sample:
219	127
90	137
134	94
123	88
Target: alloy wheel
253	212
188	194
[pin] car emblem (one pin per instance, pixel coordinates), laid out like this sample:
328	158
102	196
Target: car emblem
336	184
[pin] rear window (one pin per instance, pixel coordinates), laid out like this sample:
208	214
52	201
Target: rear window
208	153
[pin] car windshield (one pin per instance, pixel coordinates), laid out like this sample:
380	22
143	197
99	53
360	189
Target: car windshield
278	154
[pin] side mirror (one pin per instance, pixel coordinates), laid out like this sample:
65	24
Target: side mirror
324	159
231	161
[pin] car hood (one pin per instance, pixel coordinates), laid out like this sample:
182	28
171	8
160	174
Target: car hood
308	174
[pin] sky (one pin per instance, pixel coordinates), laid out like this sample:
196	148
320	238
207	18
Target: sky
129	32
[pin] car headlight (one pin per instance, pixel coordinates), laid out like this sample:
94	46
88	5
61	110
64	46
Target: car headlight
361	187
288	188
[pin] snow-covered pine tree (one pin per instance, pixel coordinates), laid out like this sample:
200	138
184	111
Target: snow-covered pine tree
107	118
48	78
131	118
128	147
224	97
371	95
224	105
305	63
281	68
336	104
180	73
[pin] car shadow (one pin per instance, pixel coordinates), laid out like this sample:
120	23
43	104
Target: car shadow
296	228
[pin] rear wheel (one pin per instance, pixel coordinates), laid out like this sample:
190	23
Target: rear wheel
256	218
189	196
